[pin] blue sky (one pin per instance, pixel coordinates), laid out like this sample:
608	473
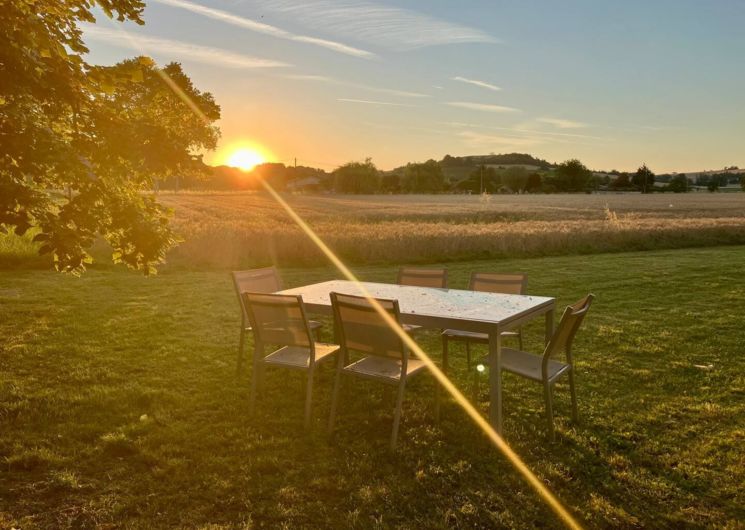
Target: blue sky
615	84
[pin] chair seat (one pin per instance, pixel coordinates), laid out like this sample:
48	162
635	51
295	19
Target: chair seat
474	336
529	364
298	356
383	368
314	325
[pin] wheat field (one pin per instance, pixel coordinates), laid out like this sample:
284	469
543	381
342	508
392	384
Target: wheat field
245	229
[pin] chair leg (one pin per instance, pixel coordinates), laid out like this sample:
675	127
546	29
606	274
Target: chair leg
468	354
575	416
549	409
397	413
445	353
334	399
308	397
241	352
255	381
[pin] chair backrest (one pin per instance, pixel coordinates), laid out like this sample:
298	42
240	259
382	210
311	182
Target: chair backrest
361	328
265	280
570	322
423	277
278	319
492	282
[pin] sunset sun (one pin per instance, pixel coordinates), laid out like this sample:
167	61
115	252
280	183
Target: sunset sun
245	158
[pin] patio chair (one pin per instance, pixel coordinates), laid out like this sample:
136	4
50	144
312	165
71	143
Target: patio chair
437	278
488	282
362	329
544	368
281	320
265	280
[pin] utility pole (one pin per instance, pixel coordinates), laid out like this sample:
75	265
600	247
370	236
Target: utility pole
482	179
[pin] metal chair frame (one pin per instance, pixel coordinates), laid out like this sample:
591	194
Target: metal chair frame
504	283
298	351
390	354
526	364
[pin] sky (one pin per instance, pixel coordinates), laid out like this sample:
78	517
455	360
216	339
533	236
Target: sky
615	84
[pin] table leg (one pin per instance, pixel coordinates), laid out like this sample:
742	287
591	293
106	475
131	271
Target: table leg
495	380
549	325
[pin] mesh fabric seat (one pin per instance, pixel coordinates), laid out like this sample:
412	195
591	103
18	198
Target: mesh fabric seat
545	368
265	280
415	277
487	282
362	329
281	320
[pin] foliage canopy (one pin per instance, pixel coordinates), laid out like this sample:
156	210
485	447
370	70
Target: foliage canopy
82	143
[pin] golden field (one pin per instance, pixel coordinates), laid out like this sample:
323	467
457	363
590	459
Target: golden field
242	229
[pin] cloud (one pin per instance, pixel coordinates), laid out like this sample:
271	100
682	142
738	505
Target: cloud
530	132
267	29
369	102
476	82
177	50
380	90
481	106
382	25
479	139
563	124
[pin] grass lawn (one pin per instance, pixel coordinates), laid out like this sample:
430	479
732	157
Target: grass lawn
120	408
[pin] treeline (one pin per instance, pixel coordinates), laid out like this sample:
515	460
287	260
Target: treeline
510	173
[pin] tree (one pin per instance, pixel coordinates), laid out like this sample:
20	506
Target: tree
356	177
426	177
100	134
535	181
643	179
482	178
678	184
572	175
515	178
713	185
621	182
742	182
391	183
273	173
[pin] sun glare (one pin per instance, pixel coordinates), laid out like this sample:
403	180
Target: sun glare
245	158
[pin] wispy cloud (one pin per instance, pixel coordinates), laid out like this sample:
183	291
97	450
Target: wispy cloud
176	50
370	102
476	82
563	124
260	27
382	25
484	107
361	86
479	139
530	132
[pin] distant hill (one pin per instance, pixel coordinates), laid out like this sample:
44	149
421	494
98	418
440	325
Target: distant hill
503	160
458	168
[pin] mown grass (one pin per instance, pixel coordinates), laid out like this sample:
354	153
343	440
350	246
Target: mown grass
120	408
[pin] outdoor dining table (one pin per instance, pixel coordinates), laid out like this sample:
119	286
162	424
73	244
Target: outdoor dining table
481	312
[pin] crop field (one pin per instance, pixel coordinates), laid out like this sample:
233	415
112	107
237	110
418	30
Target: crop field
120	407
233	230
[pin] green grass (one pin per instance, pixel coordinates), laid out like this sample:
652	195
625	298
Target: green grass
120	407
